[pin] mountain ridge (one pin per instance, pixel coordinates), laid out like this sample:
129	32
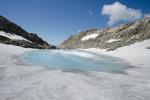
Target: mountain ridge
34	41
110	38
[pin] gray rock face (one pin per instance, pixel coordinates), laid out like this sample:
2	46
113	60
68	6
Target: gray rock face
125	34
9	27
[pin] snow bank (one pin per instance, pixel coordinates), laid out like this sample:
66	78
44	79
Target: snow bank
136	54
91	36
13	37
9	51
112	40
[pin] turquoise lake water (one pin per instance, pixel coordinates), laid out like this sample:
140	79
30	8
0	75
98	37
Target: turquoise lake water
75	61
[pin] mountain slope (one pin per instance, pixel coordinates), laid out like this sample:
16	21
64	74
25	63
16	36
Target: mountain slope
10	33
110	38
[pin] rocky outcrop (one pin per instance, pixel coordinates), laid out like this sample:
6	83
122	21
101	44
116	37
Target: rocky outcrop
124	34
33	40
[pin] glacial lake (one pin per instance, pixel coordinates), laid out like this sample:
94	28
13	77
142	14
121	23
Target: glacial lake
75	61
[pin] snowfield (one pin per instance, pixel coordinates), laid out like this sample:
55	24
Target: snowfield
13	37
23	82
91	36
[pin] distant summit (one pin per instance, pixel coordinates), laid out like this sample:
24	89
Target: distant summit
11	33
110	38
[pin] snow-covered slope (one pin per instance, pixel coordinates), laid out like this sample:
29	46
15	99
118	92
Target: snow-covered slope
12	36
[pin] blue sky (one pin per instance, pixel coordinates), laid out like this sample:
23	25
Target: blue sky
55	20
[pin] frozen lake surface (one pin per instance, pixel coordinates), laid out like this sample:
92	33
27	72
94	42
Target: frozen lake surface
75	60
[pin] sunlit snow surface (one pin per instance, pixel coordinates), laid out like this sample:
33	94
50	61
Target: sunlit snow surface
23	82
75	60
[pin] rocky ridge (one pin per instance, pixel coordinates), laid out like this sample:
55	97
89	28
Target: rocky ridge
125	34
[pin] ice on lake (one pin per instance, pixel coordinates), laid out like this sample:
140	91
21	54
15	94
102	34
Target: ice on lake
75	60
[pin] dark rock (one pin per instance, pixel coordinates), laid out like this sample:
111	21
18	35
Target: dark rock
147	47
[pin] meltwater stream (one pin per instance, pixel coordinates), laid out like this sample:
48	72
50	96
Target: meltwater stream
75	60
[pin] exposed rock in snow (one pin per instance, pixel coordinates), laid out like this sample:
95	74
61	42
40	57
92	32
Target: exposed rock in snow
91	36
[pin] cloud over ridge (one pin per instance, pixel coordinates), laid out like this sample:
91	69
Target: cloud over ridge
119	12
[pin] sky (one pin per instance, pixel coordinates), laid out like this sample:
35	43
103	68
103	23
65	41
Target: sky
55	20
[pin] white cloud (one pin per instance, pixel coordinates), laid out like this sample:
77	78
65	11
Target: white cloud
90	12
119	12
147	15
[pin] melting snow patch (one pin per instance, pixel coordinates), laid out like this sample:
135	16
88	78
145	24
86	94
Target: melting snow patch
91	36
112	40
